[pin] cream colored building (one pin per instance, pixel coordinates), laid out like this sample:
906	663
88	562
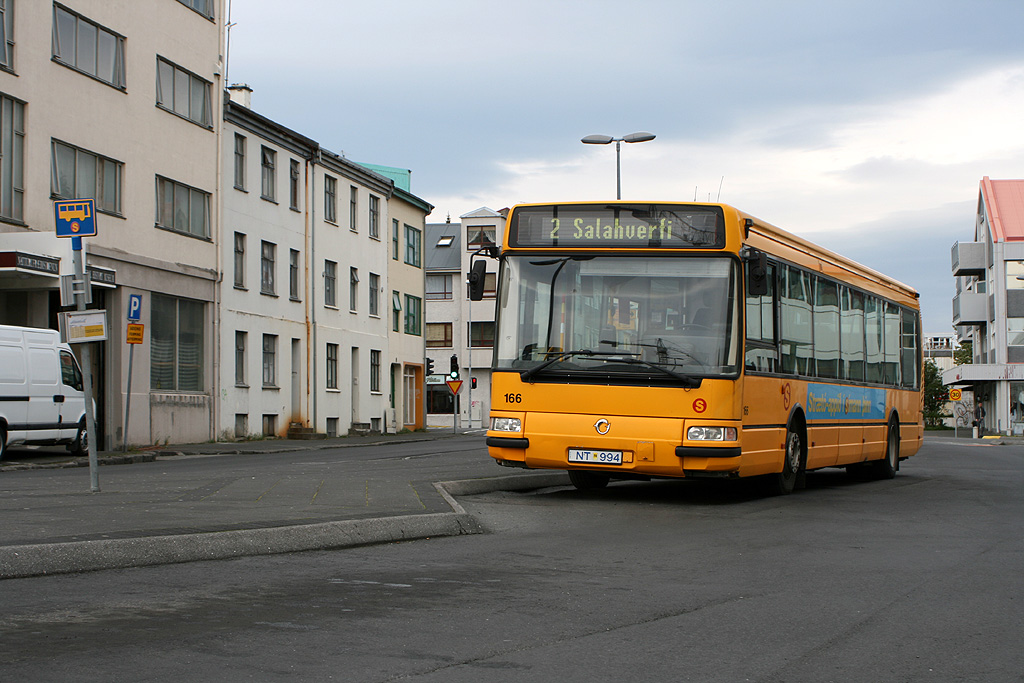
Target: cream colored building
120	102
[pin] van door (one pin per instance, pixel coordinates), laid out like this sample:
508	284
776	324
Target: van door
45	393
73	389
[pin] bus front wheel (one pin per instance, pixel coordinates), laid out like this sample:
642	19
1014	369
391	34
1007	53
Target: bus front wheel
784	482
588	481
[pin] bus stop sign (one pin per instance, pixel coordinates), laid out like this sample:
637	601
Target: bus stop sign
75	217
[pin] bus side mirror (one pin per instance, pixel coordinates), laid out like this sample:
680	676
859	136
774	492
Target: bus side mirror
757	274
477	272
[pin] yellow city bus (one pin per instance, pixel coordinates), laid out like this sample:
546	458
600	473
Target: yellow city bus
639	340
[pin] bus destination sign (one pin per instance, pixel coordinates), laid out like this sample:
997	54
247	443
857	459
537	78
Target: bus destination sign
610	226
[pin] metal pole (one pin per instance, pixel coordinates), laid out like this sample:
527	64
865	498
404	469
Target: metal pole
90	420
128	397
618	171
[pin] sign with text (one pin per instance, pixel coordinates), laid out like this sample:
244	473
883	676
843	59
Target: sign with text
833	402
78	327
135	333
617	225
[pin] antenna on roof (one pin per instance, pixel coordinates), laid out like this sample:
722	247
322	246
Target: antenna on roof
720	190
694	193
449	218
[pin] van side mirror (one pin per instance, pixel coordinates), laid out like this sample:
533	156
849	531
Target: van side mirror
477	273
757	274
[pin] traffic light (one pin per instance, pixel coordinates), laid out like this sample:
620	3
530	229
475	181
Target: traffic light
472	383
430	366
454	374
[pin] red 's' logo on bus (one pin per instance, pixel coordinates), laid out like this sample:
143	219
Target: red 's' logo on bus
786	395
700	405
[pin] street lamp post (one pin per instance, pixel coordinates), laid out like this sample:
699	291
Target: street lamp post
605	139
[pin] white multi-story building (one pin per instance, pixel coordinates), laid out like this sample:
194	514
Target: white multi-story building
456	327
308	320
119	102
988	309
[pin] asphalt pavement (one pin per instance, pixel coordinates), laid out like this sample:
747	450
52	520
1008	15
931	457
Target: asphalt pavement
145	514
148	515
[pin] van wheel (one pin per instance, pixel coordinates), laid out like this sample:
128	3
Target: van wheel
80	446
588	481
3	443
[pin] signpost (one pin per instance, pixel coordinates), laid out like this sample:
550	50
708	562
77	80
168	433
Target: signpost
134	334
453	386
76	218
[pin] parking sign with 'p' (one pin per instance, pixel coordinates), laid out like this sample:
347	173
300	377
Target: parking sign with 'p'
135	307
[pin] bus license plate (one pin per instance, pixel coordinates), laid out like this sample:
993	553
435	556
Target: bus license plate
595	457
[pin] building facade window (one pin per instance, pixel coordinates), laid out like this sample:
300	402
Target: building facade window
438	287
293	185
353	289
78	173
374	217
330	283
183	93
293	275
270	360
241	341
413	311
413	243
330	199
182	208
394	239
204	7
375	371
481	334
479	236
396	311
239	162
239	260
332	366
268	173
353	208
87	47
7	34
438	335
374	289
268	266
12	158
177	354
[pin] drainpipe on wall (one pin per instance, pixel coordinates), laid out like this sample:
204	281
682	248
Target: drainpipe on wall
219	247
311	209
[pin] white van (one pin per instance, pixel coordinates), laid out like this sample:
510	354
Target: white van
41	394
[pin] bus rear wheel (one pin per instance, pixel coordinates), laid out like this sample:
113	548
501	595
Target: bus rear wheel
588	481
887	466
783	483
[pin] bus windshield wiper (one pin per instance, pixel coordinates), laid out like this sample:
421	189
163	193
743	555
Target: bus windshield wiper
527	374
688	381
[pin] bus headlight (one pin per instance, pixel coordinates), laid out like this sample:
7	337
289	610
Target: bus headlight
506	424
711	433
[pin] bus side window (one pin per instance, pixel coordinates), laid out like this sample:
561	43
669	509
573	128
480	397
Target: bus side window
761	353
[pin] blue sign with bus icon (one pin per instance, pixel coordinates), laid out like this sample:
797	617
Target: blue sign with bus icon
75	217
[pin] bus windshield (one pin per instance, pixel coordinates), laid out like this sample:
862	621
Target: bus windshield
635	319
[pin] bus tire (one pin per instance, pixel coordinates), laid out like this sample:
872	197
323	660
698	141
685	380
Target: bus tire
783	483
3	441
887	466
588	481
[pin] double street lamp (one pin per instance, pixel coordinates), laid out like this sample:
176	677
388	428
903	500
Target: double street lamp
605	139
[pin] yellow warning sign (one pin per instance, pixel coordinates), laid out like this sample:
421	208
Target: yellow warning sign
955	394
135	333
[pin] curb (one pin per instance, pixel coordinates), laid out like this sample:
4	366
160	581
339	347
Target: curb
46	559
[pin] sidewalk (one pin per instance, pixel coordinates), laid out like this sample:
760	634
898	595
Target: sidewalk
175	508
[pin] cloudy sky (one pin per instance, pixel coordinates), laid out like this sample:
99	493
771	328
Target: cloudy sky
864	125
